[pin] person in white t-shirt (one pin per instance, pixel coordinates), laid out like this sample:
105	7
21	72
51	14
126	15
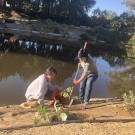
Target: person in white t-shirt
88	77
38	88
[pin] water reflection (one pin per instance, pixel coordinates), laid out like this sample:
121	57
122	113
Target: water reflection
34	47
18	70
12	89
114	56
122	82
29	65
23	60
30	46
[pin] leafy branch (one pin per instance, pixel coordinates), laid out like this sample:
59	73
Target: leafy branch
129	101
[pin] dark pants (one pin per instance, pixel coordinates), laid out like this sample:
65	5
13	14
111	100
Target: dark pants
86	87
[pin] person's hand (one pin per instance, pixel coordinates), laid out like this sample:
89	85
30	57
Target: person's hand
48	102
75	82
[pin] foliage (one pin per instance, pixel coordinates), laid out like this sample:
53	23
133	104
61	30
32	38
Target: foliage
131	42
129	3
58	113
61	10
129	101
105	26
116	30
104	14
66	92
45	115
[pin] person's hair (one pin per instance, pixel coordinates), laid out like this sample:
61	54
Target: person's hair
82	53
50	70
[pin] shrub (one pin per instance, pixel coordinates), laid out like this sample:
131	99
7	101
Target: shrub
45	115
129	101
56	114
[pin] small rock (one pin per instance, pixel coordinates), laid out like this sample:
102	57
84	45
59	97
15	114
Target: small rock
7	106
1	118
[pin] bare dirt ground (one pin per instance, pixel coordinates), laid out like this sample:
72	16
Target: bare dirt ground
102	117
78	129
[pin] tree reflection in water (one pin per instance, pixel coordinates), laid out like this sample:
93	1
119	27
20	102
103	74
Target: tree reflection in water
22	60
122	82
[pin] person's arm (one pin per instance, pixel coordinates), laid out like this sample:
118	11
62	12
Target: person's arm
84	75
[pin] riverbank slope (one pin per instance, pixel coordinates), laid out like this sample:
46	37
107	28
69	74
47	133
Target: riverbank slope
42	30
106	115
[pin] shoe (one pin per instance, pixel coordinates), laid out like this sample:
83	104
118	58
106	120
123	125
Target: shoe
80	101
86	103
29	104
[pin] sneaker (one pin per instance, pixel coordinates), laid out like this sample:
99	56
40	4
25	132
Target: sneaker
80	101
86	103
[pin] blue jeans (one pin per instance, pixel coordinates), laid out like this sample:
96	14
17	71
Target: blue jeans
86	87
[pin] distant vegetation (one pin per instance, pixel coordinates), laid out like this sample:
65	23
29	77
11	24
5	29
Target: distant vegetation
65	11
130	3
104	27
129	101
108	28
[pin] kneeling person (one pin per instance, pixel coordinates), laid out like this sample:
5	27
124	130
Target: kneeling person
38	88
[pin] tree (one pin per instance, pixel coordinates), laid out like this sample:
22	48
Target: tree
104	13
2	3
71	11
130	3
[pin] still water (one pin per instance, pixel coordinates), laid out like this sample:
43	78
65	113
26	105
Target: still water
18	69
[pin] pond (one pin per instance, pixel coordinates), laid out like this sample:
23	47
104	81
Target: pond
24	60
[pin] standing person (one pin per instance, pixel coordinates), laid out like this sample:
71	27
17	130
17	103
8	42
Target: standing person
38	88
88	76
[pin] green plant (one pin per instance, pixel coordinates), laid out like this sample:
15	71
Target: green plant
58	113
129	101
41	113
66	92
45	115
